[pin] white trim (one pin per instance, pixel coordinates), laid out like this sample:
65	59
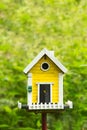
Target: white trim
39	56
38	93
51	53
29	79
60	78
36	59
69	104
44	83
29	94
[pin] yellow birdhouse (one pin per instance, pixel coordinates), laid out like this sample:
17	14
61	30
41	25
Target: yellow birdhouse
45	82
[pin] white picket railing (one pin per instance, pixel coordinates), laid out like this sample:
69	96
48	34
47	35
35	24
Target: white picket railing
45	106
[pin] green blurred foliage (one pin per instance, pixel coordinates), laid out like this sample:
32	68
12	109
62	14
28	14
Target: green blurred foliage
26	27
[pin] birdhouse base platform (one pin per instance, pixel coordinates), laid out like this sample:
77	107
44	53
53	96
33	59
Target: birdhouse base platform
51	107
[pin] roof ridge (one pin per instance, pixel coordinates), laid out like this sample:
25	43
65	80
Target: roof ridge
50	54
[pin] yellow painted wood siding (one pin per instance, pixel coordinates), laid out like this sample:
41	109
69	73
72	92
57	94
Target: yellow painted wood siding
51	75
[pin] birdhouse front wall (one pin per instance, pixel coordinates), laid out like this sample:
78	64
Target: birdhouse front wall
42	80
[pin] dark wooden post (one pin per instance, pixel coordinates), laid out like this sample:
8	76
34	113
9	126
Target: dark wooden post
44	121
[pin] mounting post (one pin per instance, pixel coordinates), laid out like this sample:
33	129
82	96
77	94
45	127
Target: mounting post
44	121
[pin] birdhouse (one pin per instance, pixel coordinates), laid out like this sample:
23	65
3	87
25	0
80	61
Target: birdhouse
45	82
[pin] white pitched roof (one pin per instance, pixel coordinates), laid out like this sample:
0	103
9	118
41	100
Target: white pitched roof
50	54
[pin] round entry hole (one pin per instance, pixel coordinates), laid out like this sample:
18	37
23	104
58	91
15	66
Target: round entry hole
45	66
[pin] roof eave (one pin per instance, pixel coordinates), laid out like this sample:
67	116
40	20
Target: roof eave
36	59
39	56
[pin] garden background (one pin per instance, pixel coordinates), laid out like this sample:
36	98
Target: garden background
26	27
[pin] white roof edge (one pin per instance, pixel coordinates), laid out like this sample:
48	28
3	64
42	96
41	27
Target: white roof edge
35	60
39	56
58	63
